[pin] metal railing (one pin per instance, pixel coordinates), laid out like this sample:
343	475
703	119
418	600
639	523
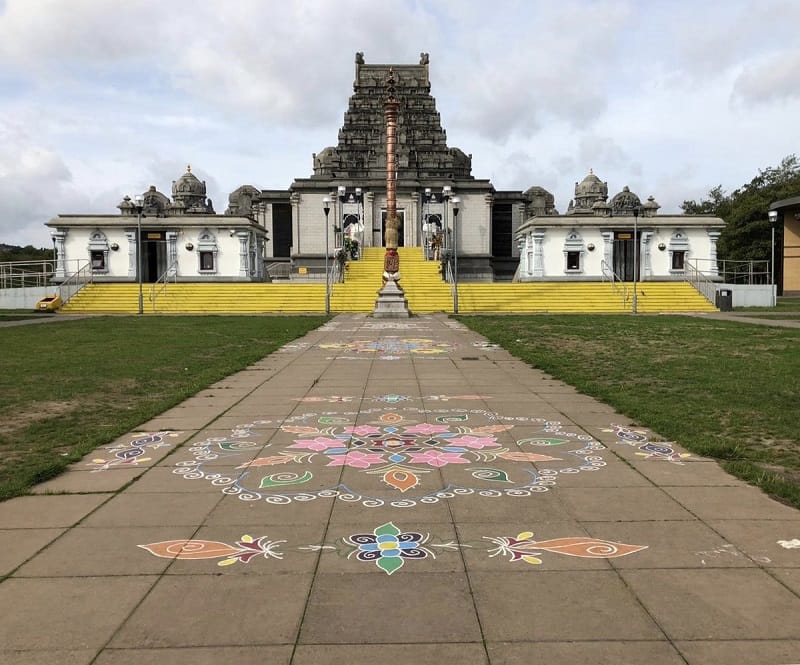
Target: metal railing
75	282
734	272
23	274
617	285
279	270
160	285
701	281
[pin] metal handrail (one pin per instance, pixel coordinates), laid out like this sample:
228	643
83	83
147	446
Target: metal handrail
279	270
617	284
21	274
75	282
449	277
160	285
700	281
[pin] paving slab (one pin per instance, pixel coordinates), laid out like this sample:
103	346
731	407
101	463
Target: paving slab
18	545
398	491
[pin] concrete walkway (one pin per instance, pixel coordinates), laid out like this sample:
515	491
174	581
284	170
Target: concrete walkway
399	492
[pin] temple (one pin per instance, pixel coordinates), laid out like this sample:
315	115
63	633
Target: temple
502	236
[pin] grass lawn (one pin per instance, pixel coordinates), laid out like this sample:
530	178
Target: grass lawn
721	389
67	387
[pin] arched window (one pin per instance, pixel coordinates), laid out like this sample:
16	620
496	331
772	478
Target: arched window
207	253
678	252
573	253
98	252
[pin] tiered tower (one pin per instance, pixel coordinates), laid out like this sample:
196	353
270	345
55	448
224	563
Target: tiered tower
422	150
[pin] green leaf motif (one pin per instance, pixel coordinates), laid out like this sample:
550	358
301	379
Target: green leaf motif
387	529
460	418
390	564
278	479
333	420
544	442
495	475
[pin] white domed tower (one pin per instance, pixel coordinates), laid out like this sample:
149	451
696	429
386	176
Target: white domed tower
189	195
587	192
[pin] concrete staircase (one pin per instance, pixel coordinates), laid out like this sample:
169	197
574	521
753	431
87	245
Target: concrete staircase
574	297
420	279
200	298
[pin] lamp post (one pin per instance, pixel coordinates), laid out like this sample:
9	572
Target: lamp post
446	193
635	255
456	203
773	219
326	208
139	205
360	202
426	227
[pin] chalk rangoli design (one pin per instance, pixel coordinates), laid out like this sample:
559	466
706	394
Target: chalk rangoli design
132	454
389	548
391	398
662	450
402	457
391	345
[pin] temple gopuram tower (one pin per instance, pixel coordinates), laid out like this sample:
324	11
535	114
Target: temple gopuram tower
428	173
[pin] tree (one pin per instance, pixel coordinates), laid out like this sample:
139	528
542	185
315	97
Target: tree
747	234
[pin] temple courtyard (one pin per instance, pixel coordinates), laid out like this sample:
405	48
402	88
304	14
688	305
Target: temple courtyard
396	491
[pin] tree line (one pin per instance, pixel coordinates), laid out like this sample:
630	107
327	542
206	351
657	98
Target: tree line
747	234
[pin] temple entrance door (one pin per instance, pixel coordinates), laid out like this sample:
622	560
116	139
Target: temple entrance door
154	255
624	250
401	216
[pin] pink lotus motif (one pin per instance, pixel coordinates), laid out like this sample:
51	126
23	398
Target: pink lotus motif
361	430
319	443
357	459
468	441
437	458
427	428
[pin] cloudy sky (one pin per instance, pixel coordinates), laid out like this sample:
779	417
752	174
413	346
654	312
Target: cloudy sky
102	98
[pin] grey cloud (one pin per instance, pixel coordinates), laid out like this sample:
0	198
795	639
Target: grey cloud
773	79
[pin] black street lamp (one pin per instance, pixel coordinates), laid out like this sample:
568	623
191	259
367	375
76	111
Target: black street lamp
456	204
326	208
138	204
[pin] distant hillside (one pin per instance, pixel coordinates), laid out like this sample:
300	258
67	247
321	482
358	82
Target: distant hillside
27	253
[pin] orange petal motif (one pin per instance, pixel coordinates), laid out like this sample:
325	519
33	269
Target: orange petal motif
299	429
391	418
402	480
584	547
528	457
267	461
191	549
491	429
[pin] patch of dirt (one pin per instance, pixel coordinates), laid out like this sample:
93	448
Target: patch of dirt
35	412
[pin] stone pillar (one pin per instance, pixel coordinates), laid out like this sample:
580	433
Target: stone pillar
131	236
412	231
61	255
244	263
369	217
172	252
713	237
295	201
538	253
608	248
644	252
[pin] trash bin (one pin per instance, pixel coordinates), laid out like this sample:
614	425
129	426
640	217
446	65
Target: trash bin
724	301
48	304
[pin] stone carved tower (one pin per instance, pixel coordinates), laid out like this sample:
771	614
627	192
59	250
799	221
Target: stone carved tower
421	149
